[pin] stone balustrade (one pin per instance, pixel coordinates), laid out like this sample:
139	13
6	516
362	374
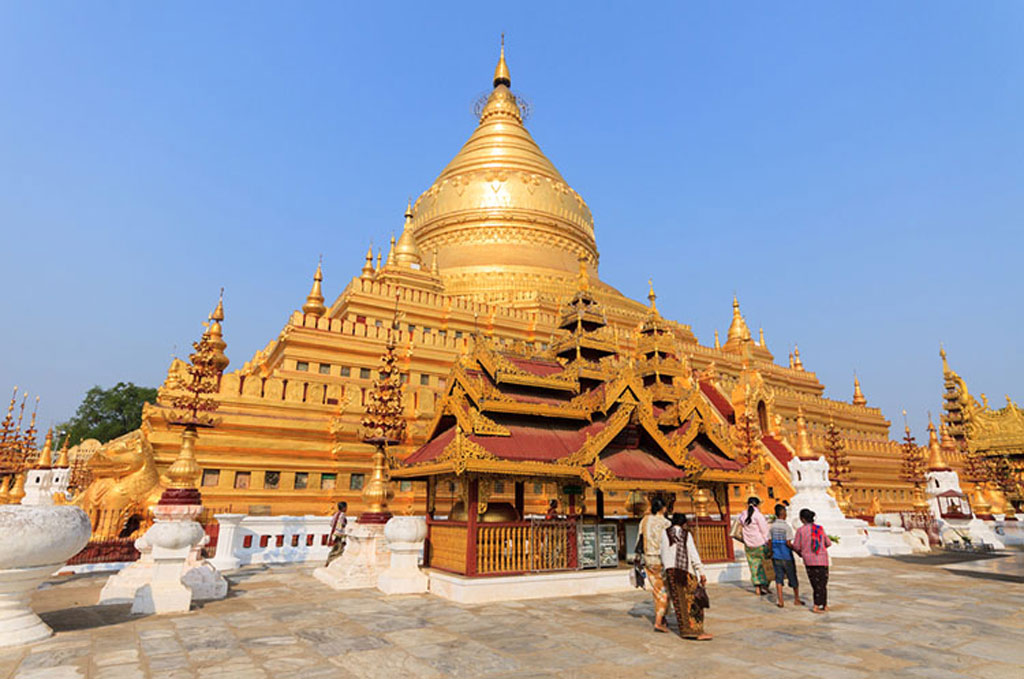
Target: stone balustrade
248	540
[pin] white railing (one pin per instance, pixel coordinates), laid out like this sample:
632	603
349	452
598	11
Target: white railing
247	540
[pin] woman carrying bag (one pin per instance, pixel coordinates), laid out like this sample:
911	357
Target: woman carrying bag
752	529
684	574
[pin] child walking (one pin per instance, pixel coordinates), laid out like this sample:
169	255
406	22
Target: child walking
782	555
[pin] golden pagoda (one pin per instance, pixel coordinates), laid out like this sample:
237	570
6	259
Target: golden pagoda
493	248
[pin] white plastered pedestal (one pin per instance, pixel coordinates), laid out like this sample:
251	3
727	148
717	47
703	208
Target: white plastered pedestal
36	543
405	536
810	481
364	559
163	574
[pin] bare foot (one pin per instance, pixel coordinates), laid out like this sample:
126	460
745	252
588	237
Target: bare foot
705	637
661	628
824	608
781	605
798	602
816	610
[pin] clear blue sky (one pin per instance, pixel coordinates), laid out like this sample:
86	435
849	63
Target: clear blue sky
855	171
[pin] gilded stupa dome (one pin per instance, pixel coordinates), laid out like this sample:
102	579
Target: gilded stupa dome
500	216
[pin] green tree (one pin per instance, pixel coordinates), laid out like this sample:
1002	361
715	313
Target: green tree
105	414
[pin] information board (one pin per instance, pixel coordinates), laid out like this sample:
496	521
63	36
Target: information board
587	545
608	545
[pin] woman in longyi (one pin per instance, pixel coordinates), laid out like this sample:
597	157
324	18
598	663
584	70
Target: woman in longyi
684	573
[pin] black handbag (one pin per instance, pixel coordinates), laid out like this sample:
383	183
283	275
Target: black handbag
700	597
639	576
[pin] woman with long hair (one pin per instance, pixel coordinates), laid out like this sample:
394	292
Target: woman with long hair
652	527
684	571
756	543
811	542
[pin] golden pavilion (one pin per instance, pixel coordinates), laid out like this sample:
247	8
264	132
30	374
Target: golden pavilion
488	258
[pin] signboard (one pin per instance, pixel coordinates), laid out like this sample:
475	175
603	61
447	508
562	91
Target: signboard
608	545
587	545
572	490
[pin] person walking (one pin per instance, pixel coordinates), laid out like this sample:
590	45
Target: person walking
338	539
756	543
684	572
812	543
652	526
782	555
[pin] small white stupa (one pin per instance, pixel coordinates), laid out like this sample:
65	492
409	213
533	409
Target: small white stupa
946	500
809	476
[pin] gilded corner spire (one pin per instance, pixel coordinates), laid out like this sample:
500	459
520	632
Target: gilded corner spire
46	456
62	458
215	333
315	299
797	363
407	253
738	330
718	343
651	296
936	459
501	74
858	395
367	270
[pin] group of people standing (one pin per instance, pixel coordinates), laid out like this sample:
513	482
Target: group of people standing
770	549
673	567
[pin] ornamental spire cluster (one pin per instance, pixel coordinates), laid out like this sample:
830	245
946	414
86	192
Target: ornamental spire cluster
383	420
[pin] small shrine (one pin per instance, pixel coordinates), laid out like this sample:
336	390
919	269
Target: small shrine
601	429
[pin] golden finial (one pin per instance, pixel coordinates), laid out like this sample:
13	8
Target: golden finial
18	490
315	299
738	330
391	251
5	489
62	458
218	312
368	264
501	74
936	461
803	443
760	337
718	344
407	253
906	425
215	333
378	260
858	395
797	363
651	296
46	457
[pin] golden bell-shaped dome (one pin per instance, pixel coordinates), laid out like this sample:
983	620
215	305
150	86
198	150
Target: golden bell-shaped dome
500	216
406	252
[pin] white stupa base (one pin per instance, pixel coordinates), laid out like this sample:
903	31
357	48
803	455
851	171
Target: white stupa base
888	541
365	557
810	480
1010	532
979	532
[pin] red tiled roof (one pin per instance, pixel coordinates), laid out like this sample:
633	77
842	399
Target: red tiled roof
545	444
713	460
431	449
778	449
535	366
632	463
718	400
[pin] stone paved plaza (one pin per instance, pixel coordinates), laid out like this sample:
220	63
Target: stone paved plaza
891	618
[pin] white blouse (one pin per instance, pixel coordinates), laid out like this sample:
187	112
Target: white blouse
668	555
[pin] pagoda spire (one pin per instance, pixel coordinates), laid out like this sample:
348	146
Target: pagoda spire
803	443
651	296
936	460
858	395
797	363
62	458
501	74
407	253
46	457
738	330
718	343
760	337
215	333
367	271
315	299
391	252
